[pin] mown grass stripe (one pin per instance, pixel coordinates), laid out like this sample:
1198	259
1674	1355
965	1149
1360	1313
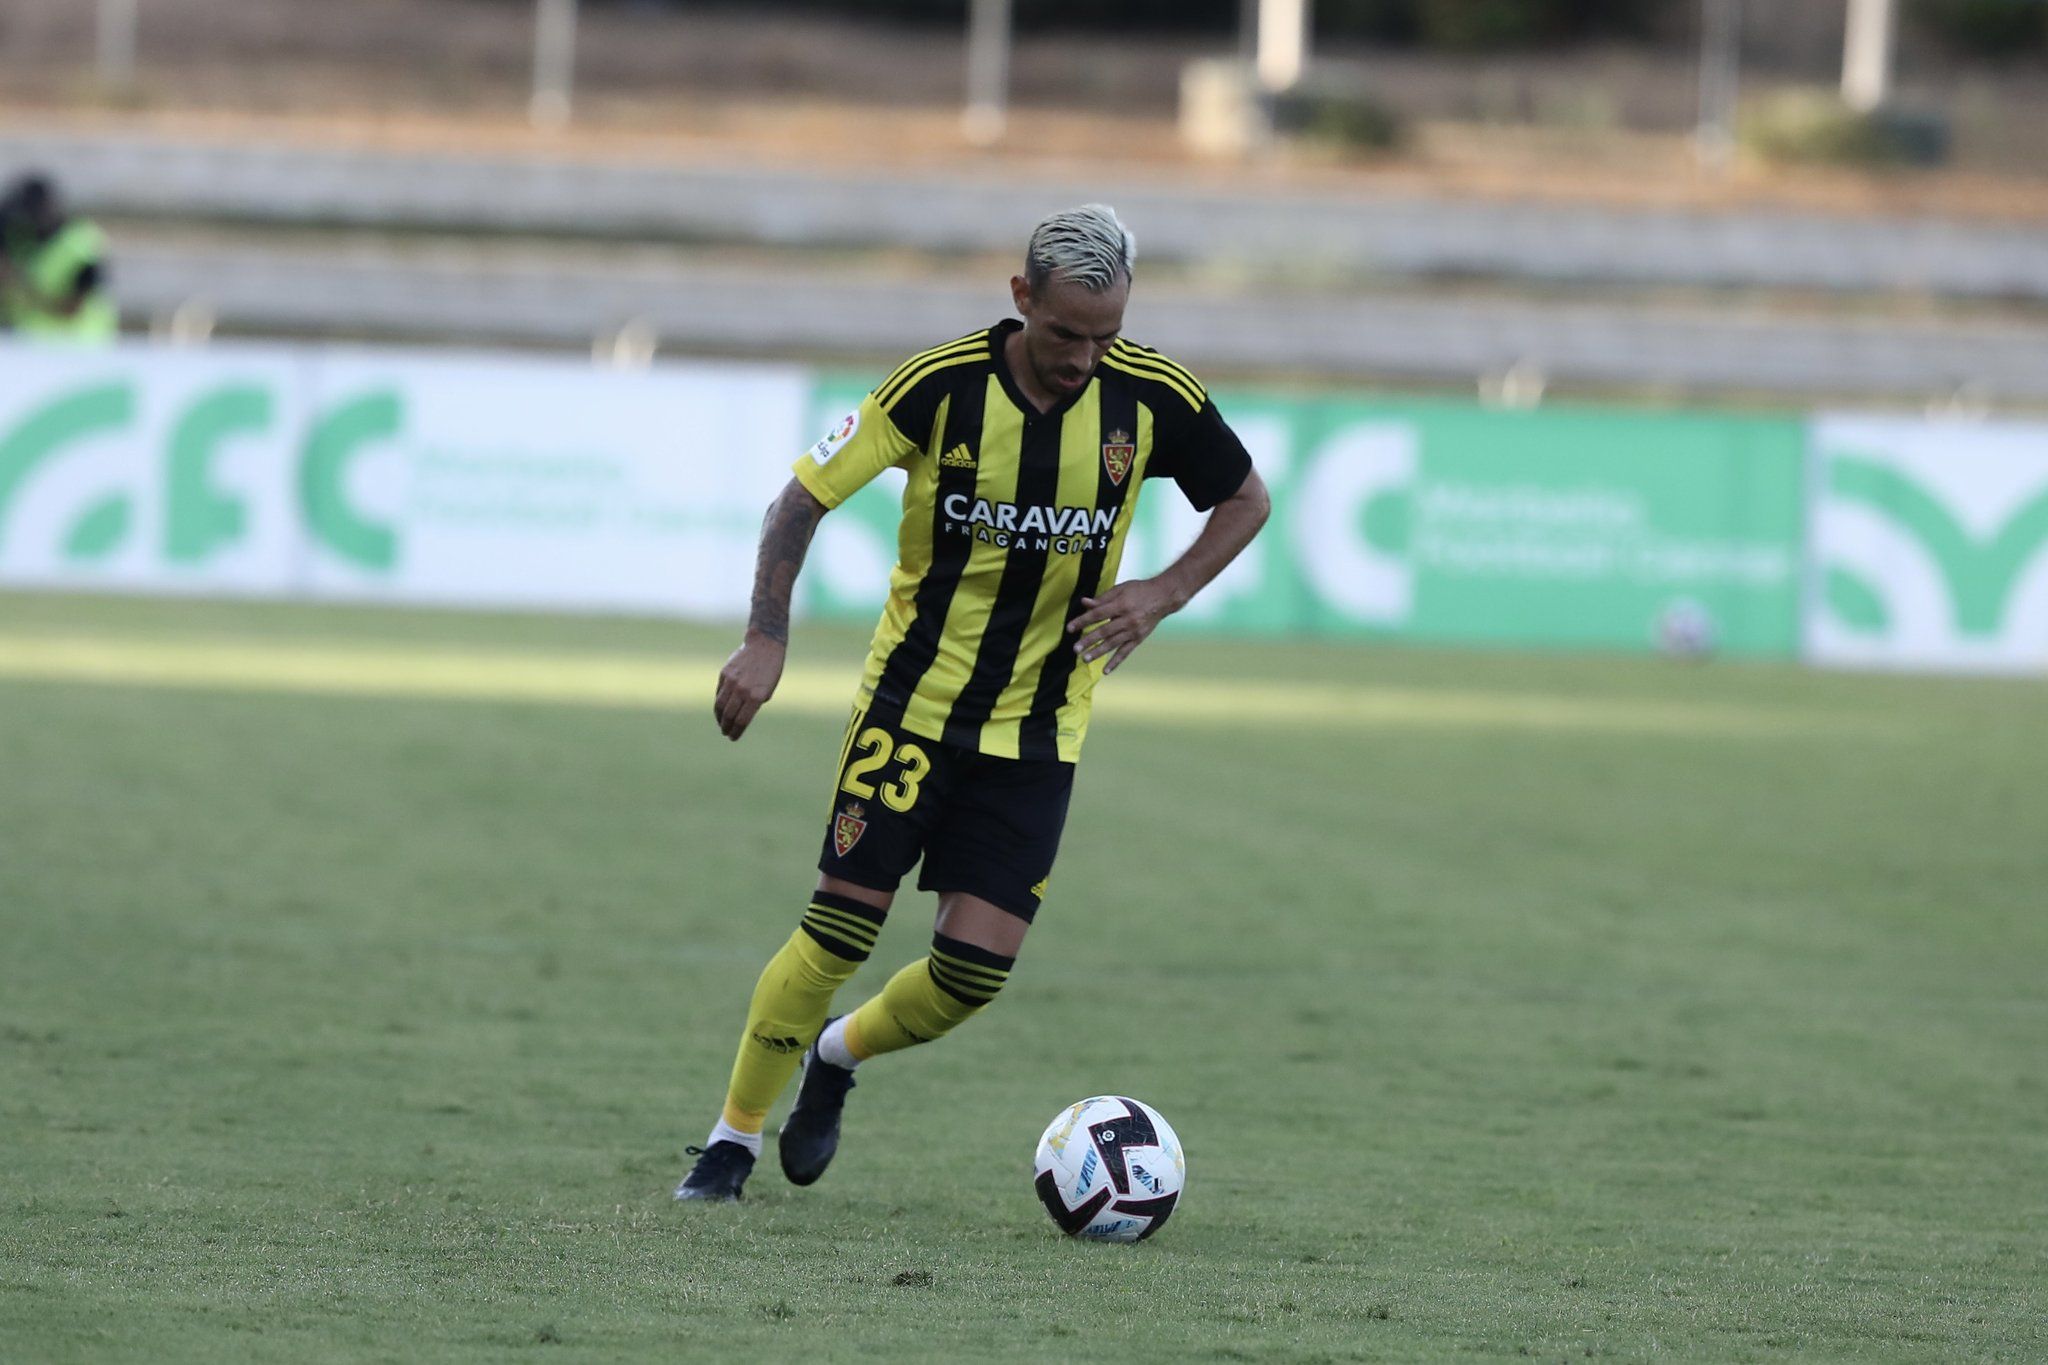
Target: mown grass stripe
599	679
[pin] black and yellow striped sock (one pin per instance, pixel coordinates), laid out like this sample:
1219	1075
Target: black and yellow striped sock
792	998
928	999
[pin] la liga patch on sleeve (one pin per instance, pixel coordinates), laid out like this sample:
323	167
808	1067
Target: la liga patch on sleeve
841	433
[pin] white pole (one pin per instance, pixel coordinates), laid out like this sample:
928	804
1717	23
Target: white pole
1283	42
554	62
1867	52
1720	81
988	71
118	20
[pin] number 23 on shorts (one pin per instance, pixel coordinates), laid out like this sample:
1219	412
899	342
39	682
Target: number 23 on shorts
873	749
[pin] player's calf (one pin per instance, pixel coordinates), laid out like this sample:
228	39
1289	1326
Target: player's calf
924	1001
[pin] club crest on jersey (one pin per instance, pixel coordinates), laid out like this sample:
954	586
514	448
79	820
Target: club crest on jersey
848	826
1117	453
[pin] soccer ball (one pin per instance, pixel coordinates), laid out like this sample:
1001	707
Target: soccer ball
1110	1169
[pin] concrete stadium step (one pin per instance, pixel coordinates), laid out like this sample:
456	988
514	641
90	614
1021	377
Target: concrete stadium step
1367	234
568	296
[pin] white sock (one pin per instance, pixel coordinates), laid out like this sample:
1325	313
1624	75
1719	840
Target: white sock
725	1132
832	1045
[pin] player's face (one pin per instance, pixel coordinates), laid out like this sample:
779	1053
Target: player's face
1068	328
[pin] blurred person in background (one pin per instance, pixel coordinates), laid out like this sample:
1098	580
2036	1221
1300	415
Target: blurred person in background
1025	444
53	272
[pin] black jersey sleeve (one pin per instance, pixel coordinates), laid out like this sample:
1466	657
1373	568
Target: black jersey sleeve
1198	451
913	410
913	393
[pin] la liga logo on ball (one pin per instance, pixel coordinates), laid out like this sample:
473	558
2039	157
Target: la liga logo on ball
1110	1169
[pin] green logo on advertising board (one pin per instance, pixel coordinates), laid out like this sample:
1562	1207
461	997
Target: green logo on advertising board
1978	572
197	516
201	517
42	436
332	445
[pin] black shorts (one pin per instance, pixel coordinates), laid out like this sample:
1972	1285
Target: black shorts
987	826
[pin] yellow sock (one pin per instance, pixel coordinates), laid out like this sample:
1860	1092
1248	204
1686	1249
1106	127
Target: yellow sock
792	999
928	999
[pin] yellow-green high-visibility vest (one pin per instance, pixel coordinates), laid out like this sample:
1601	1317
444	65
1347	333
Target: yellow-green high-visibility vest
49	270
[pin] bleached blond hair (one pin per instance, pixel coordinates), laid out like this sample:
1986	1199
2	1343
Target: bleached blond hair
1090	245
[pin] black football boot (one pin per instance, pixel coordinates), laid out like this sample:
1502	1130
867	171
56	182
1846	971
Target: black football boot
810	1135
721	1170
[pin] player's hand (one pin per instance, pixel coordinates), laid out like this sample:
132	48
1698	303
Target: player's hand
747	682
1128	613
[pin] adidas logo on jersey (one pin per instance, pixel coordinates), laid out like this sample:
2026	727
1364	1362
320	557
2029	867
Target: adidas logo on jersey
959	457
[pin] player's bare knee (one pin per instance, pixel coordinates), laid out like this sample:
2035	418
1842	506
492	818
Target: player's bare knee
986	925
866	895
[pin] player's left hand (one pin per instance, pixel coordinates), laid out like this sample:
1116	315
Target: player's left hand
1128	613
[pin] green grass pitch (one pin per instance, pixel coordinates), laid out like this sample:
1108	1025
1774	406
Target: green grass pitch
1622	1009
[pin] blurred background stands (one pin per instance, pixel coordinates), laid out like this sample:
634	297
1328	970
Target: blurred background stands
1649	197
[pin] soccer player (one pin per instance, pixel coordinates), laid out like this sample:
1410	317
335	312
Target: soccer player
1025	444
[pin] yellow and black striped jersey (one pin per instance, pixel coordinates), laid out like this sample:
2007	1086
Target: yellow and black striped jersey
1011	516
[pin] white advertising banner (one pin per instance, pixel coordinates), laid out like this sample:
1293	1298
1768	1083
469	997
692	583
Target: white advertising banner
1928	545
468	479
392	476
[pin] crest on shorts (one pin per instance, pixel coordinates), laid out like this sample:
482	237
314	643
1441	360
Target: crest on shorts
848	826
1117	453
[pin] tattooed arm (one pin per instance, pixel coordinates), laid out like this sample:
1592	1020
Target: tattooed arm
750	675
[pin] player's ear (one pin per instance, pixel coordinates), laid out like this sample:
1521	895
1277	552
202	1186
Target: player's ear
1020	294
